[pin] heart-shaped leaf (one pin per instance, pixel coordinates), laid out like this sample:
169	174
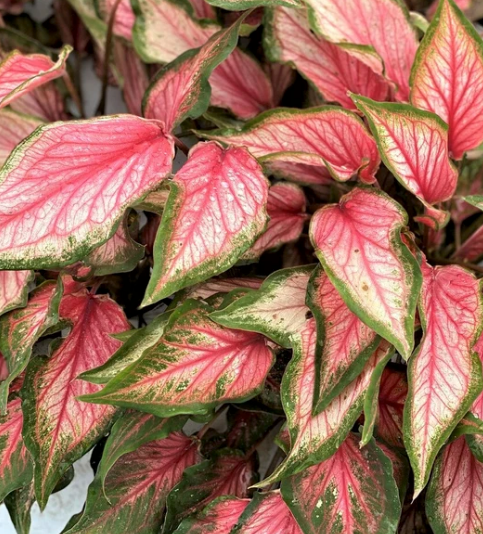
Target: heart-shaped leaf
447	77
195	366
277	309
350	243
451	312
353	491
14	289
216	210
65	188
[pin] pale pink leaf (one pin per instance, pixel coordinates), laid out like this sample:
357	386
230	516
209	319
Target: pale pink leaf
281	78
444	373
124	17
15	128
45	102
64	189
14	289
472	248
216	210
223	285
351	244
203	10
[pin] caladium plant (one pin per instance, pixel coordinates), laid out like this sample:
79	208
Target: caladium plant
253	290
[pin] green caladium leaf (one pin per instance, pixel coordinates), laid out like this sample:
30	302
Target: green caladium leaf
136	488
228	472
277	309
20	329
353	491
195	366
19	504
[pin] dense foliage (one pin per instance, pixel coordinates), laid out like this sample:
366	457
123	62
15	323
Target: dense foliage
278	333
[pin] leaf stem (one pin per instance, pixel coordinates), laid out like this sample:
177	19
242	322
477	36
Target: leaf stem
204	429
179	144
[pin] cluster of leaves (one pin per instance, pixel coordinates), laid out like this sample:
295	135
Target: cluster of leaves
308	277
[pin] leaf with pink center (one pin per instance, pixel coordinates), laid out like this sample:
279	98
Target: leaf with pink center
472	248
314	438
227	472
350	243
66	186
414	146
136	488
203	10
223	285
276	310
123	19
20	73
216	210
328	137
447	77
373	24
15	128
59	429
45	103
195	366
164	30
14	289
220	516
353	491
181	89
281	78
444	374
16	468
286	205
454	501
344	342
267	513
333	70
240	5
20	329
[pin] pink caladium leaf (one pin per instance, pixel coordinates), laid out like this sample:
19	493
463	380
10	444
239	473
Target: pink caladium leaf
61	197
240	5
132	430
124	17
15	128
276	310
220	516
349	241
136	488
181	89
472	248
20	329
316	438
328	137
216	210
227	472
45	102
455	494
195	366
374	24
344	344
384	411
286	205
353	491
444	374
223	285
330	68
16	466
447	77
164	30
20	74
267	513
281	77
203	10
58	428
414	146
14	289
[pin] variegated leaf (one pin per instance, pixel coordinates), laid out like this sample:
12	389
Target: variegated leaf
14	289
58	428
223	285
316	438
344	344
20	329
351	492
123	19
328	137
15	127
203	10
18	504
45	103
444	373
286	209
195	366
16	467
350	243
454	501
332	69
447	77
20	74
277	309
64	189
381	24
472	248
216	210
228	472
240	5
136	488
